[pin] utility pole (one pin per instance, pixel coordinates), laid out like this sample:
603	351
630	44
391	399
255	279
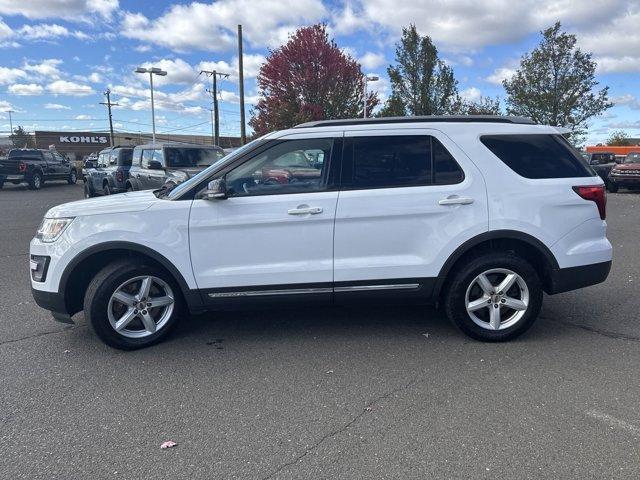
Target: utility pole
109	105
213	135
10	121
214	93
243	133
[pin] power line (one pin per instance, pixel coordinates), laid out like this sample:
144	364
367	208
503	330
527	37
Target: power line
108	103
214	93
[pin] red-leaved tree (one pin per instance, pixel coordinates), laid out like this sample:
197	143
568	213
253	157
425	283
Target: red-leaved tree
308	78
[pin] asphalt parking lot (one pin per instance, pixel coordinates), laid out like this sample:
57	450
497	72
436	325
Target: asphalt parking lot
331	393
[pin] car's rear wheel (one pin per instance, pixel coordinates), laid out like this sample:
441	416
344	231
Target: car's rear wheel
73	177
87	191
132	305
35	183
106	190
495	297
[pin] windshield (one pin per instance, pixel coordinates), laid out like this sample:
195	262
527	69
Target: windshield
177	191
181	157
633	157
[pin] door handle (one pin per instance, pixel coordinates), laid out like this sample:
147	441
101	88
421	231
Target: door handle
455	200
301	210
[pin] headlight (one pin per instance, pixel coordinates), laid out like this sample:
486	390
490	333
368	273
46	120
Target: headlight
51	229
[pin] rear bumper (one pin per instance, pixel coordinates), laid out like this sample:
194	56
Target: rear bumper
572	278
12	178
54	302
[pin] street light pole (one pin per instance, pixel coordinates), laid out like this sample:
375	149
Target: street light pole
152	71
367	78
10	122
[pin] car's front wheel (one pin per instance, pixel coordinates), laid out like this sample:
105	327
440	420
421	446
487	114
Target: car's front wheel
73	177
132	305
494	297
87	191
612	187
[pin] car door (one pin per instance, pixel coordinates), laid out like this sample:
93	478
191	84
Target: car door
273	235
142	174
62	165
156	177
52	166
408	199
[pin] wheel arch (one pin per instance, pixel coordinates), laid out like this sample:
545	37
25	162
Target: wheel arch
532	249
77	275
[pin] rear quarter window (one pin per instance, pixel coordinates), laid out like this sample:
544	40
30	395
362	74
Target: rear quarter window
538	156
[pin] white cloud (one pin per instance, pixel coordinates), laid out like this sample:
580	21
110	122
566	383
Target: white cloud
66	9
47	68
95	78
628	100
178	72
6	106
65	87
44	31
468	25
10	75
142	48
56	106
251	66
5	30
500	74
84	117
213	26
371	60
471	94
620	64
26	89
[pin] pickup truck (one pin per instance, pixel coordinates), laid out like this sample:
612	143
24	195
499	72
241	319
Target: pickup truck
34	166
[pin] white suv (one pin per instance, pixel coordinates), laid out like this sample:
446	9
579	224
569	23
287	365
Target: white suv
480	215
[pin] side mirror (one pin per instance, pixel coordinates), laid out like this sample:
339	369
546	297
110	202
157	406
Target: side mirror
155	165
90	164
216	190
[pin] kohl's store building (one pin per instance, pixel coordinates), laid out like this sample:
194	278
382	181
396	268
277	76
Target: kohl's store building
77	145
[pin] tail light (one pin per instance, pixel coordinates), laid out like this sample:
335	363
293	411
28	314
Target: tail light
595	193
22	167
120	176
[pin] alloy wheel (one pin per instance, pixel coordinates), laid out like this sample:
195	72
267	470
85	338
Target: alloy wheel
497	299
141	306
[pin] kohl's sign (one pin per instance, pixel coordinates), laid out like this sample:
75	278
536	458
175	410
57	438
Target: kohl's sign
83	139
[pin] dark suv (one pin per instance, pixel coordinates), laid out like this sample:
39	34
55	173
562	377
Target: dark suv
627	174
109	173
33	166
153	165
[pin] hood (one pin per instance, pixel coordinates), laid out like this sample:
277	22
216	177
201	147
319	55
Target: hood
120	203
627	166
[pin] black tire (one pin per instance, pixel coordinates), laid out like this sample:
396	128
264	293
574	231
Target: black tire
129	187
102	287
106	189
88	193
36	181
462	279
1	185
612	187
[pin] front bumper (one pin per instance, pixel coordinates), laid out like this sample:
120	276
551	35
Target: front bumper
625	180
572	278
54	302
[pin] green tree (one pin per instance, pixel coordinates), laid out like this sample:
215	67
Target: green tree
619	138
555	84
482	106
421	83
21	139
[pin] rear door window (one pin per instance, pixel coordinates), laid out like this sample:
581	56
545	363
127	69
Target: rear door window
538	156
398	161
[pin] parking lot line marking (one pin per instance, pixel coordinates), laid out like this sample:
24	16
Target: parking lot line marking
614	422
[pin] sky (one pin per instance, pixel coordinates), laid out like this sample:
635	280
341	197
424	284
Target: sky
59	56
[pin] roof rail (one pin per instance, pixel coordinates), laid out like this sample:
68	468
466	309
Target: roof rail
419	119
